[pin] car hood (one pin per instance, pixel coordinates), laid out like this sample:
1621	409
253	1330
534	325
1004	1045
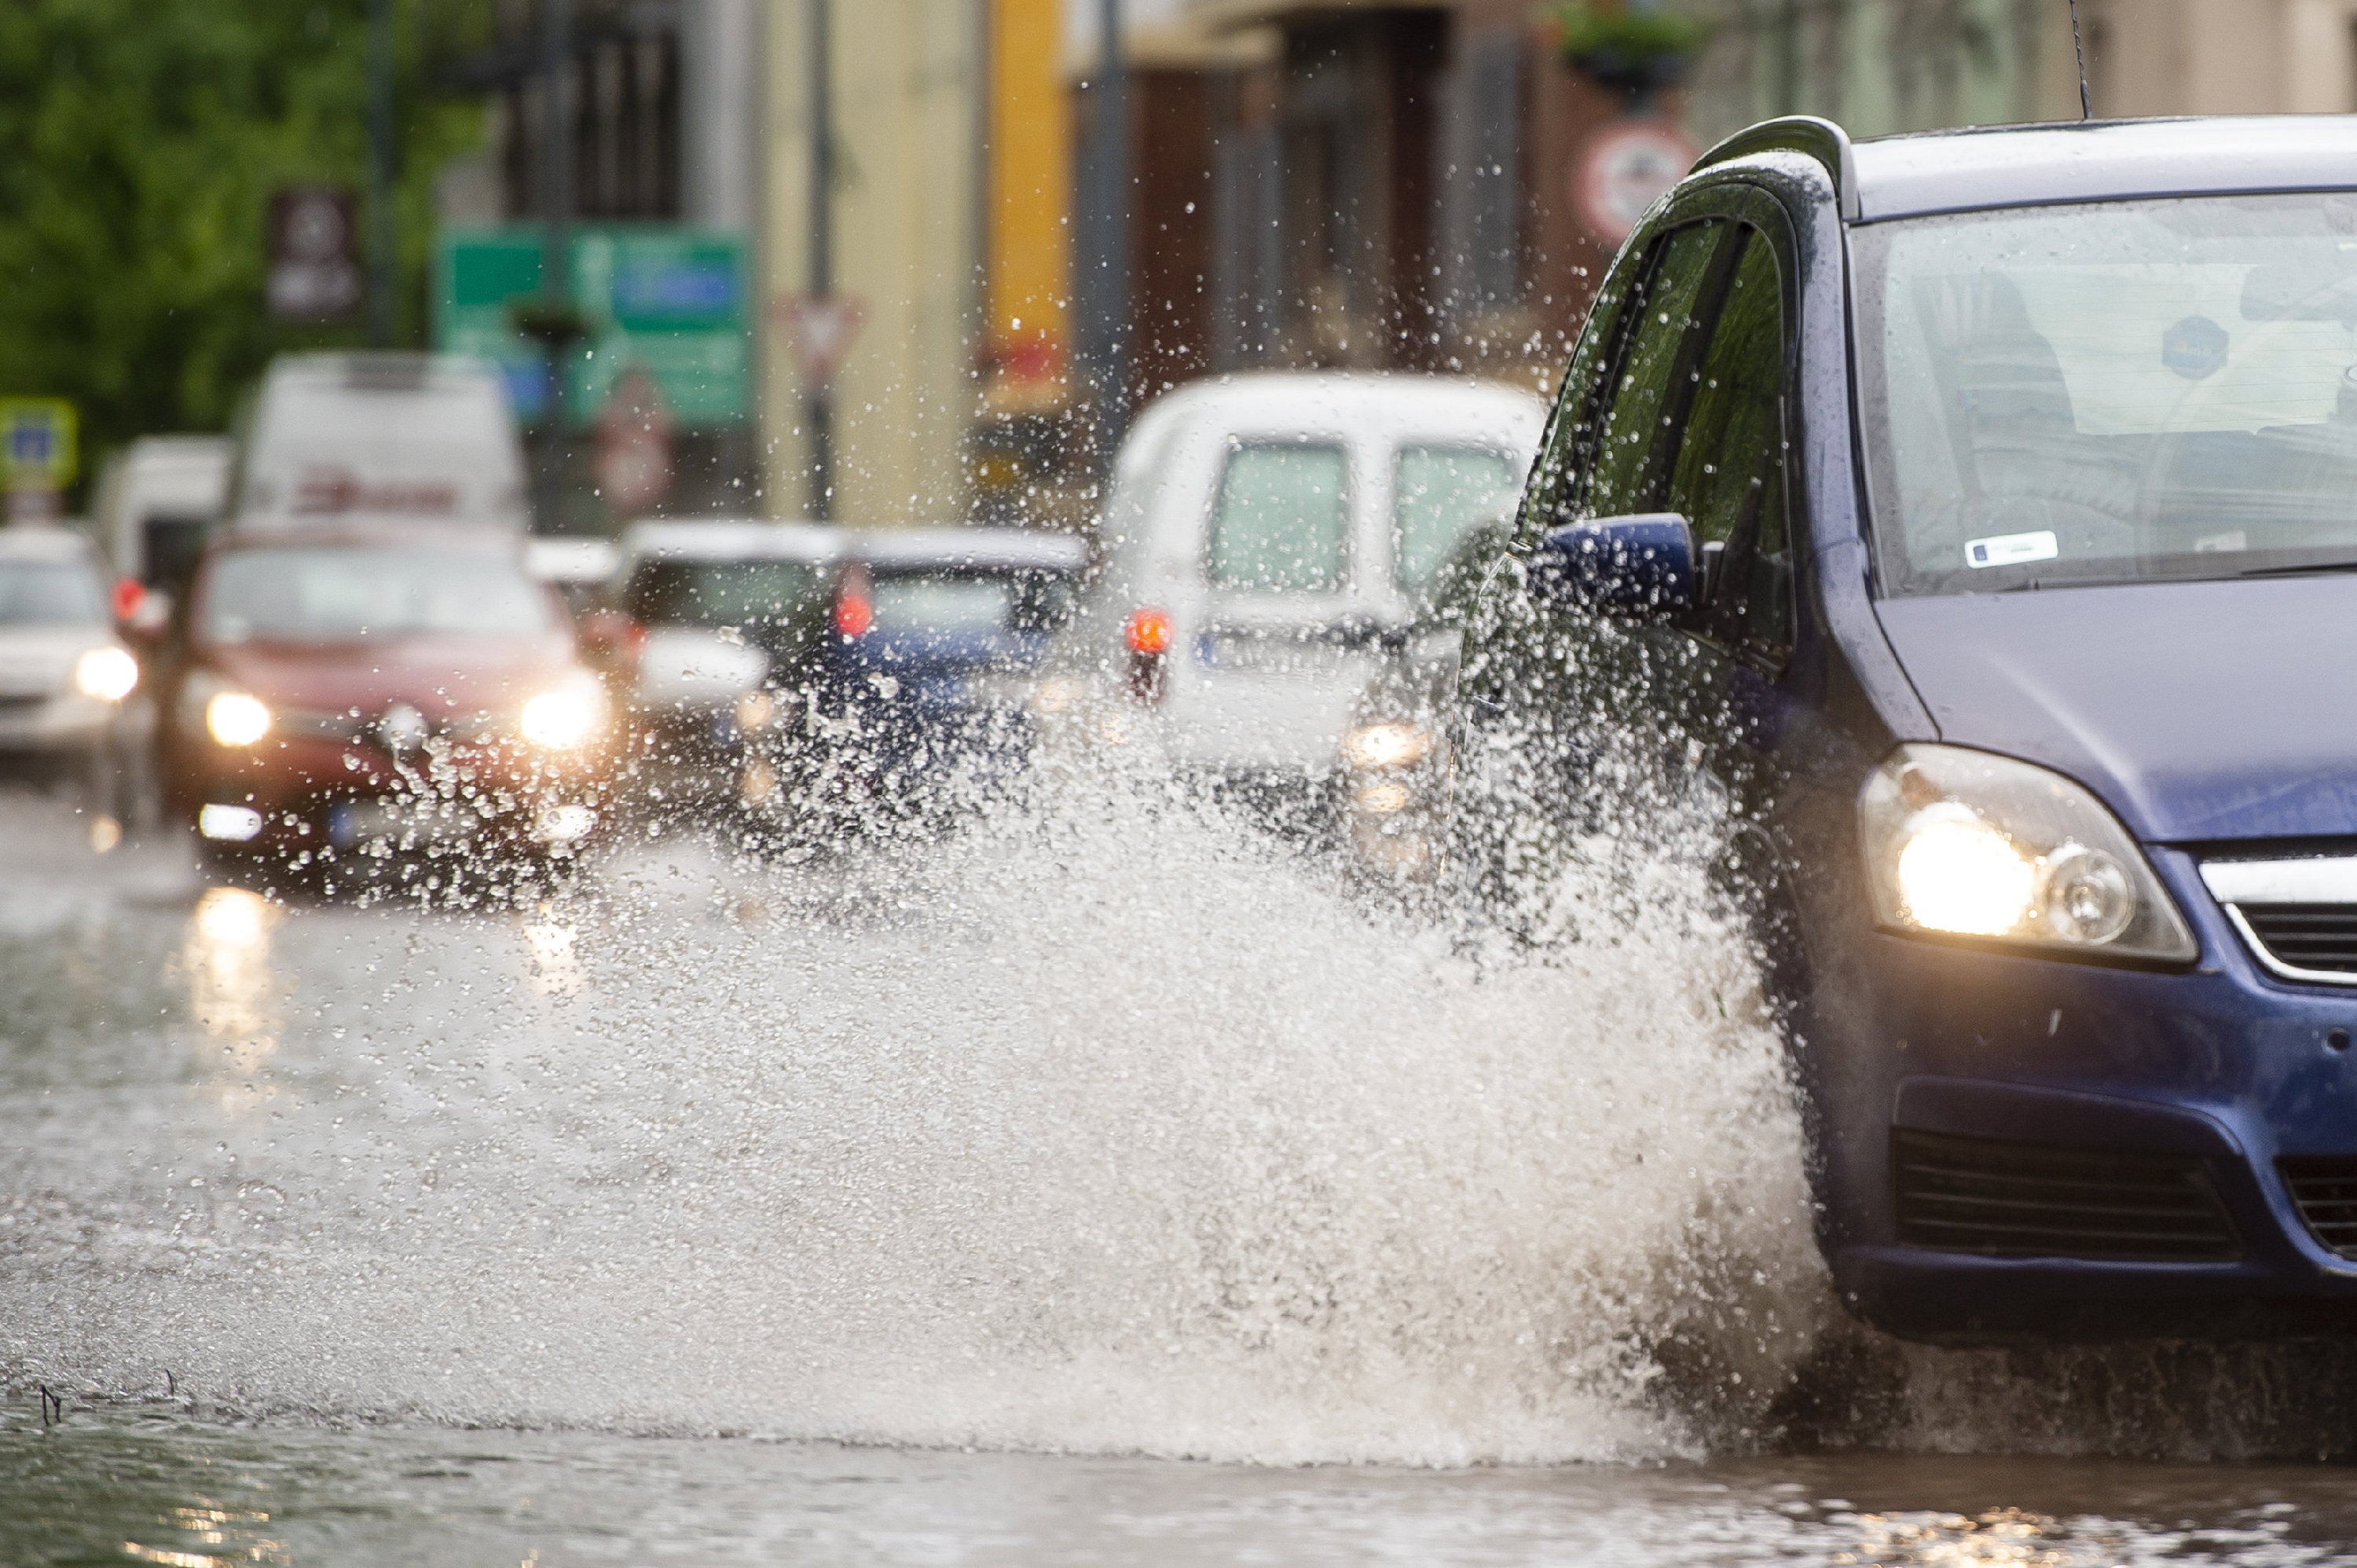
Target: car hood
434	675
2199	710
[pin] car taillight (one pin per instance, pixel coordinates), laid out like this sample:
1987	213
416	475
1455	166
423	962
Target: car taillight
1149	635
1149	632
854	614
128	592
855	611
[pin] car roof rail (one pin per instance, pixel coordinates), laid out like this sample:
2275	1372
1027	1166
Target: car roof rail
1807	135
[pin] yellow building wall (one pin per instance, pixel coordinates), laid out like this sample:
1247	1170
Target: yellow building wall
907	86
1030	243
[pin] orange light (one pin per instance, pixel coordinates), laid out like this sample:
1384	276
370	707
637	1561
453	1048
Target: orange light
128	592
1149	631
854	615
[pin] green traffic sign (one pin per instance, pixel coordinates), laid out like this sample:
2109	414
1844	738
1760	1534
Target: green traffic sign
667	299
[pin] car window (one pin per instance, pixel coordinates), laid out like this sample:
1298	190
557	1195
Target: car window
2126	390
1654	373
49	592
1283	519
1438	494
345	593
1728	476
943	603
719	592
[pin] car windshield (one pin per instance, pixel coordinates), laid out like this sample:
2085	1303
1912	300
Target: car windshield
339	593
719	592
2123	390
49	592
1441	492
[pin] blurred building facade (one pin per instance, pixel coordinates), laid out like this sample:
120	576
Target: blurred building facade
1885	66
899	215
1311	184
663	102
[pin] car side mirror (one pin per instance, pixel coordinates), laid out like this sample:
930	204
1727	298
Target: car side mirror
1644	566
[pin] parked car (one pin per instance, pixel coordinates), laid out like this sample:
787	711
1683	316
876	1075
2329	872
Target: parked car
429	436
708	611
1266	535
908	700
581	570
367	690
64	673
1965	523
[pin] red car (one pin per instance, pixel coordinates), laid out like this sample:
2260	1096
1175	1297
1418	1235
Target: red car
348	689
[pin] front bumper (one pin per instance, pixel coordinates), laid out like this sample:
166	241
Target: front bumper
2223	1070
301	795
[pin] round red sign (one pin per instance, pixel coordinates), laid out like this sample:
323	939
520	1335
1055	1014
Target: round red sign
1624	170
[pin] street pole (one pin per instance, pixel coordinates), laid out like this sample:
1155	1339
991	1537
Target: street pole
820	287
556	214
1113	228
381	157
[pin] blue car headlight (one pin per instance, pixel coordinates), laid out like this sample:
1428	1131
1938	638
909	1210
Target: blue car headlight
1970	844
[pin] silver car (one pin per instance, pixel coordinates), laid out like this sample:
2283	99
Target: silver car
64	674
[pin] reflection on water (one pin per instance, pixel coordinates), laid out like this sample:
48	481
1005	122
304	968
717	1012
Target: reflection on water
151	1486
555	967
232	989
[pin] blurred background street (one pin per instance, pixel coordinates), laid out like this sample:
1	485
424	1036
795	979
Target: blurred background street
719	809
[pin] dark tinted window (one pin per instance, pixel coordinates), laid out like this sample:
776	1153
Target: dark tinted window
49	592
1655	374
719	592
1728	476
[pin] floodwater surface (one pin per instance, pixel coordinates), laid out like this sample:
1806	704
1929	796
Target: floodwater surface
1105	1184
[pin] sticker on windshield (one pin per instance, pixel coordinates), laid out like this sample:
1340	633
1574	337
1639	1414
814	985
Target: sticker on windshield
2011	549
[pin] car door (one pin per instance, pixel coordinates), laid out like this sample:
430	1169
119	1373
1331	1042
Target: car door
1281	652
1546	694
1728	474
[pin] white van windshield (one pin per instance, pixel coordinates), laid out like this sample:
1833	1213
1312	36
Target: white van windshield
1283	520
2130	390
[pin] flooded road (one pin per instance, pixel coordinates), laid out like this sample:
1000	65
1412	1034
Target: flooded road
1102	1186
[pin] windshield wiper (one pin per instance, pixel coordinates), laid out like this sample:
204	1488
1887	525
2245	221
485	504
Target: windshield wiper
2299	570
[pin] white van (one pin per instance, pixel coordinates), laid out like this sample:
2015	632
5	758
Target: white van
389	435
158	500
1264	534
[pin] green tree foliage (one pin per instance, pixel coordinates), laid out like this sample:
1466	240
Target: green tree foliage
142	143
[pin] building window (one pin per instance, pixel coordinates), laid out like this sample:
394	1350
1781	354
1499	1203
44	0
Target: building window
1481	178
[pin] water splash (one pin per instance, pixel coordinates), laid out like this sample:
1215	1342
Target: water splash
1105	1126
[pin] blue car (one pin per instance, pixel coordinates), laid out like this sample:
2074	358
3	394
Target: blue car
906	700
1967	524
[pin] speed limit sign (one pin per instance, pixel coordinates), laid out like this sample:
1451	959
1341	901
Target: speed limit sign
1624	171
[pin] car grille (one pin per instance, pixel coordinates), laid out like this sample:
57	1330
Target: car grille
1977	1195
2318	938
2326	1193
